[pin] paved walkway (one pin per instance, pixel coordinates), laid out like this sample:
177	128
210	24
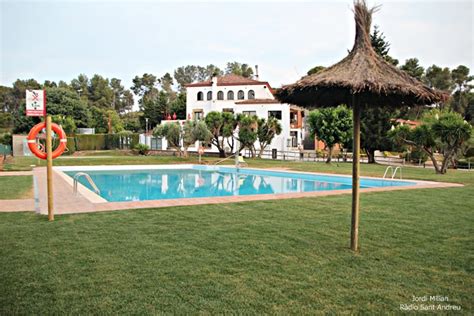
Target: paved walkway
16	173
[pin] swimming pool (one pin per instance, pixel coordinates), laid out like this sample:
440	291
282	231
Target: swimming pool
142	183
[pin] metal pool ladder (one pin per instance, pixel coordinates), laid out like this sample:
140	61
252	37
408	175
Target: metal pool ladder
394	171
88	178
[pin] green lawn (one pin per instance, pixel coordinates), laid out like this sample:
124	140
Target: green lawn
287	256
16	187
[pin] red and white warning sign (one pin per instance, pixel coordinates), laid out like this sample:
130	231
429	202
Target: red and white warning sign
35	103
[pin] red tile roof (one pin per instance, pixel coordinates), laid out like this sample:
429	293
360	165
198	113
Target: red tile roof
230	80
258	101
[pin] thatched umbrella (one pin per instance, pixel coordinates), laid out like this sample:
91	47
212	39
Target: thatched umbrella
361	79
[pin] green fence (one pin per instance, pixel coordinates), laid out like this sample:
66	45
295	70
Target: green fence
5	150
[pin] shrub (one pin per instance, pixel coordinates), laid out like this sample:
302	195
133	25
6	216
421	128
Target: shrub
6	139
142	149
91	142
71	146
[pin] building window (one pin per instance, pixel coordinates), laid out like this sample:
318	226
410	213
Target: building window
220	95
249	113
240	95
251	94
198	115
200	96
230	110
275	114
230	95
209	95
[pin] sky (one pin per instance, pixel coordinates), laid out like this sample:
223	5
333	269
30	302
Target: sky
58	40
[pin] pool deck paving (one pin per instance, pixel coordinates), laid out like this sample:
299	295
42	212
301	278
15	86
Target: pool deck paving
85	201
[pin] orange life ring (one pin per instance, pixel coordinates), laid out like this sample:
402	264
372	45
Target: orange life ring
34	146
201	150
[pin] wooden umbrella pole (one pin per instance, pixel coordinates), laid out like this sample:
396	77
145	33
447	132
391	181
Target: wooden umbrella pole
49	168
355	174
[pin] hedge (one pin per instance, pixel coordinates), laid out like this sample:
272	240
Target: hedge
71	146
105	141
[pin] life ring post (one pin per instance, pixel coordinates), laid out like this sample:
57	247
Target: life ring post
49	168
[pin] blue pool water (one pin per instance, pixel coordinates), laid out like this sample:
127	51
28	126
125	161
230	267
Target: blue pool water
202	181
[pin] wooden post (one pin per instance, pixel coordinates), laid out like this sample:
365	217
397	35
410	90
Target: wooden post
49	168
355	174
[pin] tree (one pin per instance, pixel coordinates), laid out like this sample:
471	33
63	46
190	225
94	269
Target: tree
381	46
443	132
66	122
172	133
188	74
331	125
221	126
315	70
49	84
194	131
185	75
413	68
105	120
66	103
178	106
100	93
237	68
81	86
131	121
247	135
375	125
155	108
145	86
469	114
438	78
212	71
166	83
122	99
267	130
462	89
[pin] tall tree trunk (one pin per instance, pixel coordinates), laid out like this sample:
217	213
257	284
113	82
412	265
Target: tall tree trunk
370	155
262	149
330	155
435	163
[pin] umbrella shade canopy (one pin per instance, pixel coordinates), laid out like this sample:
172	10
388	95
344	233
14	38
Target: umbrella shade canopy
362	73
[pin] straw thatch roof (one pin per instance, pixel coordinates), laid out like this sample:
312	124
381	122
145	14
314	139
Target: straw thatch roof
362	73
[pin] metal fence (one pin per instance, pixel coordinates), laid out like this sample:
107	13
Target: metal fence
5	150
297	156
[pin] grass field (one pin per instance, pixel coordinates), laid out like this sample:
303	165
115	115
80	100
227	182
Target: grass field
287	256
16	187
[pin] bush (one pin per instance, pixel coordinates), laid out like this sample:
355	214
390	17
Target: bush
90	142
71	146
142	149
416	156
6	139
106	141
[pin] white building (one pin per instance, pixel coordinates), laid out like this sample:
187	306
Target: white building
237	94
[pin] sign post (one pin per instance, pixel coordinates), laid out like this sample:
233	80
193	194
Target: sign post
36	106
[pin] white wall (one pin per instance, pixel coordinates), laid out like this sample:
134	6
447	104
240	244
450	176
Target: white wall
261	92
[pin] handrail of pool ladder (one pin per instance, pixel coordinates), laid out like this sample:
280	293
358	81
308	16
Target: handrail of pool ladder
228	157
88	178
394	172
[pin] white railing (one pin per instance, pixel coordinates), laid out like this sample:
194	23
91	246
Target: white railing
88	178
394	172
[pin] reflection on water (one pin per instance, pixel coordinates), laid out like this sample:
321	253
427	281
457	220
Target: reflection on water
175	184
